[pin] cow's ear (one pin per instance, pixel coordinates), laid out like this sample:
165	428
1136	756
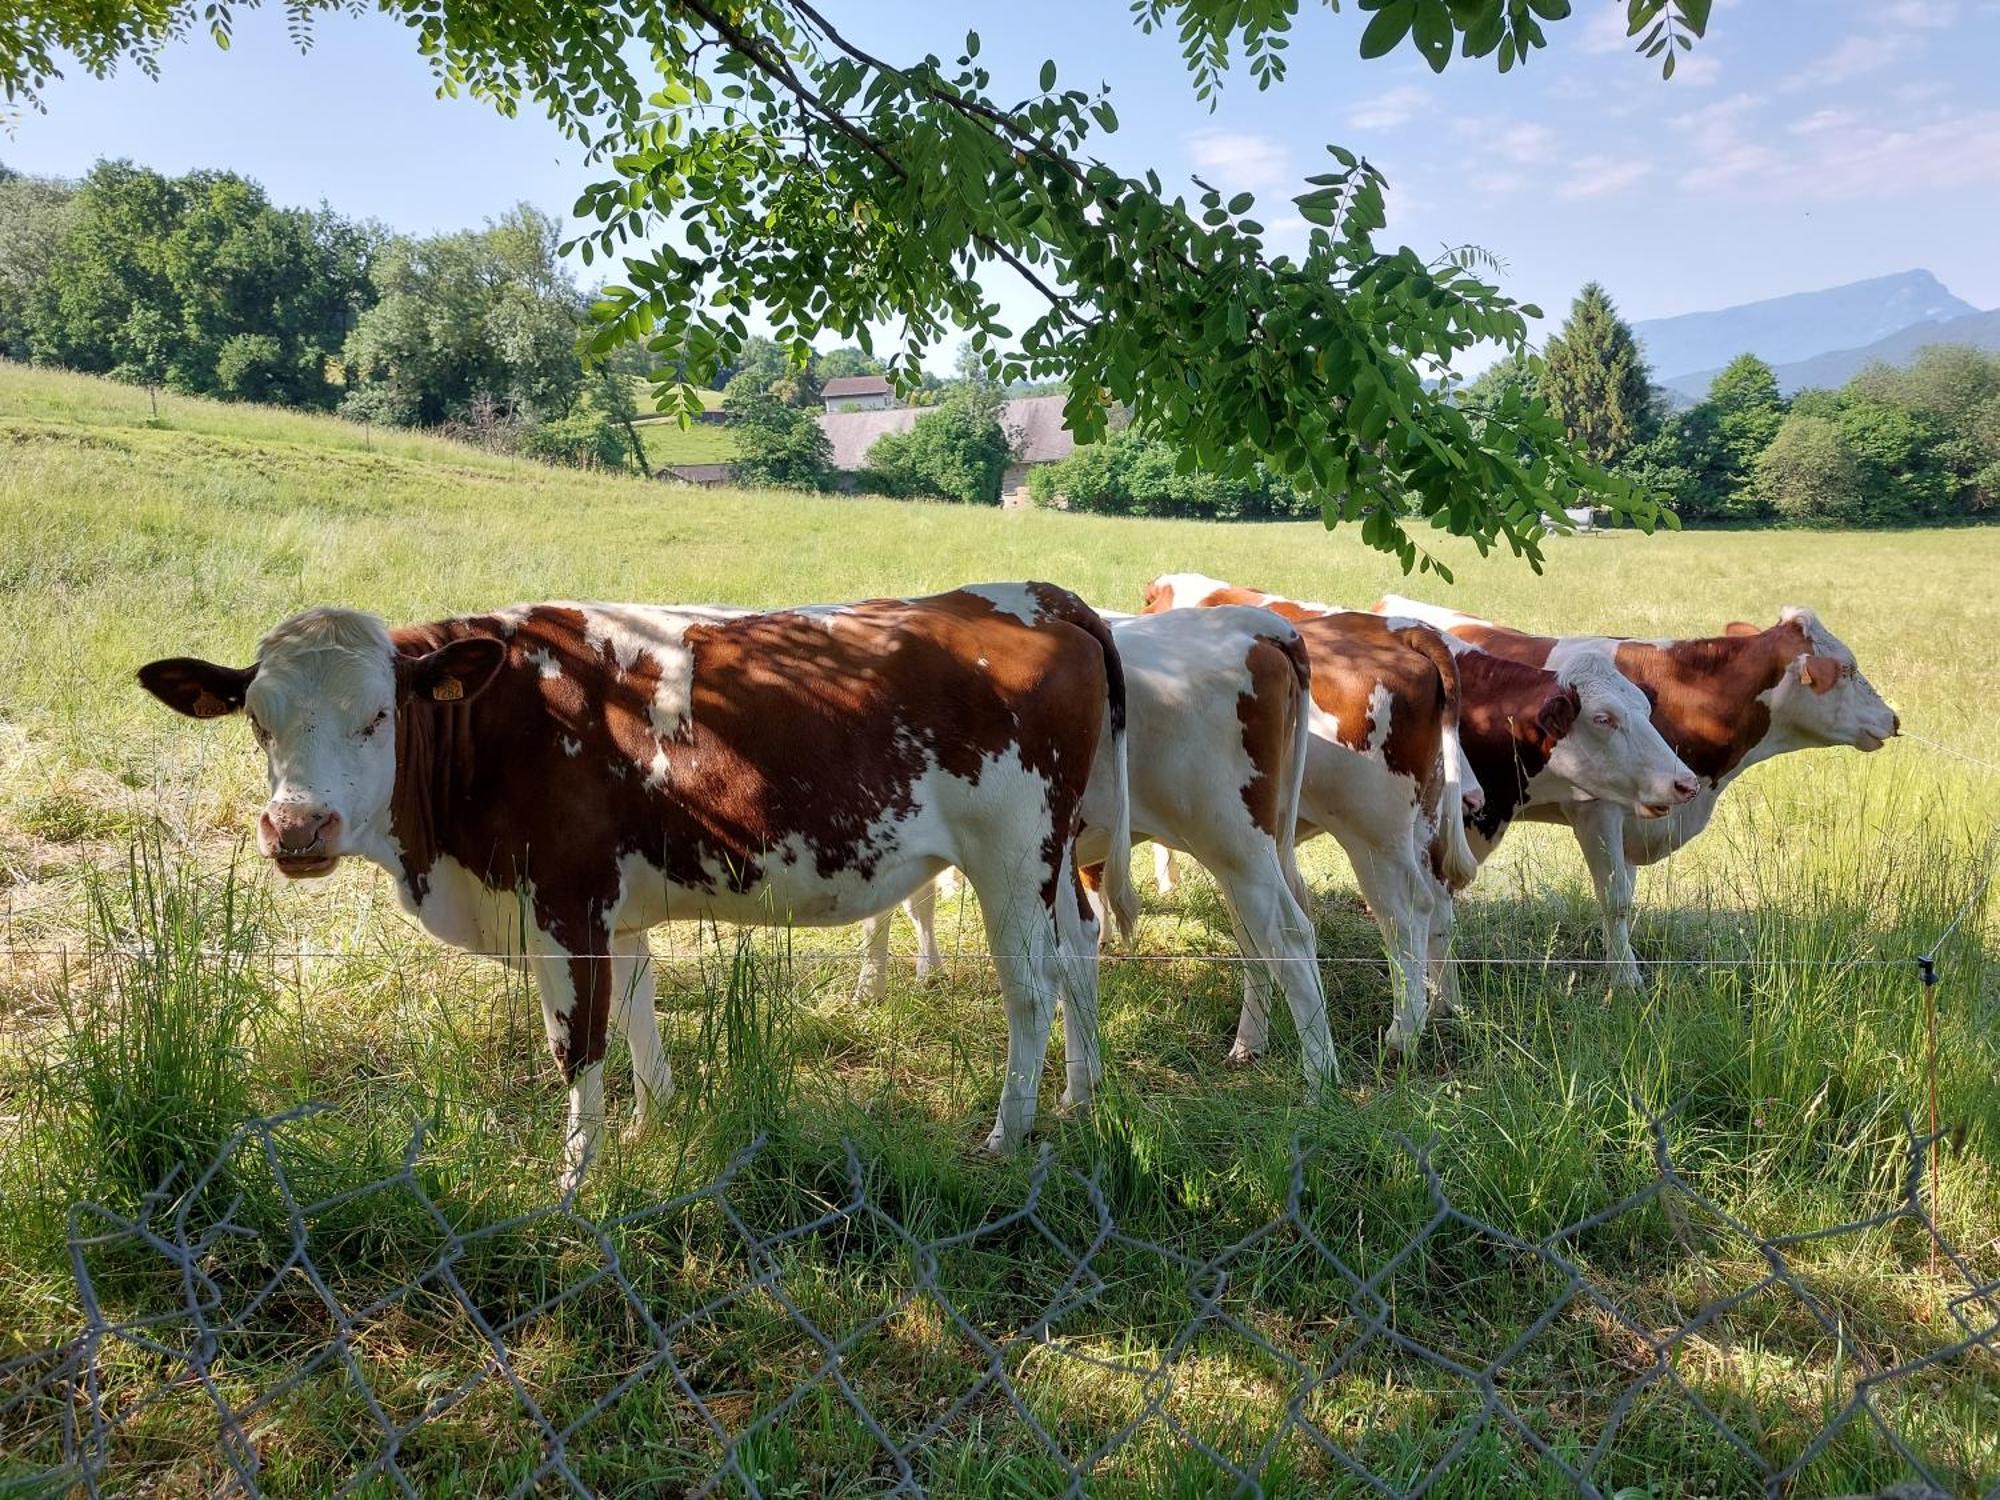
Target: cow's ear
1821	673
1558	713
1738	627
453	673
200	689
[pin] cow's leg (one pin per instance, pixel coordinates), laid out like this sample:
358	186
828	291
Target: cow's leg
872	983
1600	832
1283	948
922	907
1443	971
1398	893
1164	875
1253	1022
635	1013
1079	936
576	992
1021	932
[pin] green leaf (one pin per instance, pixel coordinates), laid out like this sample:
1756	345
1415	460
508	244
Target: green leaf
1048	75
1241	203
1550	10
1390	25
972	44
1433	31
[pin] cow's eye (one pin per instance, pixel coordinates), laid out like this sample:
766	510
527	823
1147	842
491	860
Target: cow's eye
1608	720
258	732
373	724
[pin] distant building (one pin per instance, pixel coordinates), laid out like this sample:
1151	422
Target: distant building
1034	427
857	393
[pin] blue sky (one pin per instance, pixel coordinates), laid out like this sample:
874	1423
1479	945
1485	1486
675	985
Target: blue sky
1804	143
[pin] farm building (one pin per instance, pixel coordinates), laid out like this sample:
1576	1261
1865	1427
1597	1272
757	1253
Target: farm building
1034	426
857	393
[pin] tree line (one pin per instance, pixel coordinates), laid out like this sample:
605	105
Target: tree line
201	285
1892	447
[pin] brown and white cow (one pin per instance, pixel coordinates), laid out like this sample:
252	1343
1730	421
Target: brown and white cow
1218	704
1723	703
1383	773
551	780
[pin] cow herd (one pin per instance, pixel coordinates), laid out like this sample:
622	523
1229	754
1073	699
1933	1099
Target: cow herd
547	782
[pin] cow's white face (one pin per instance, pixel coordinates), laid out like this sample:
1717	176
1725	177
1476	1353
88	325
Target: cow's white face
1823	699
322	701
1613	752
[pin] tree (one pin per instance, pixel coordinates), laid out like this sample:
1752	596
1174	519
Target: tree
846	360
156	279
1808	473
1596	380
777	445
488	311
775	163
1129	474
957	452
34	221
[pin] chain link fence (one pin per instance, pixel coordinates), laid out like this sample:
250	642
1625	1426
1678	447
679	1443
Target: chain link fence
228	1308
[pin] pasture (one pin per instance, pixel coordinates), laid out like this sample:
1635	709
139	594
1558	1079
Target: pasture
1794	1059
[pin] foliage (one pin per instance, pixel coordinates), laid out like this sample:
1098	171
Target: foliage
777	444
1127	473
197	283
1808	473
1596	381
585	437
846	360
959	451
34	221
773	163
481	311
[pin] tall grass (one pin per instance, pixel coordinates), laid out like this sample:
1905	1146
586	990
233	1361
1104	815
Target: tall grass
154	1068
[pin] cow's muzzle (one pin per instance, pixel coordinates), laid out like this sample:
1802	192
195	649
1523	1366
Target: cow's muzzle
299	840
1684	790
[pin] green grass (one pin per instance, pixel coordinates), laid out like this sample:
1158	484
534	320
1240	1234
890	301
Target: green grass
667	442
121	540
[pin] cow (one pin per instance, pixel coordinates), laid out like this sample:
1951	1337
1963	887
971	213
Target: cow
549	781
1723	703
1218	706
1382	775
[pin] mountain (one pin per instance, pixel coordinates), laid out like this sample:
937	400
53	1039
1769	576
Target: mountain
1838	366
1787	329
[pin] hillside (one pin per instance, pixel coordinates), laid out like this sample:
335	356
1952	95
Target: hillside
1838	366
1797	327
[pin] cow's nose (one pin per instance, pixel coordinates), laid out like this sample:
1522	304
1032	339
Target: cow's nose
301	830
1685	788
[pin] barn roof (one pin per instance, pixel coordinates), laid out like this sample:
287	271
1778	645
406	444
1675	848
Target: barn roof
1034	426
854	385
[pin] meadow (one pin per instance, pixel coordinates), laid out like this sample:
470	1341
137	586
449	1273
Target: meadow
156	989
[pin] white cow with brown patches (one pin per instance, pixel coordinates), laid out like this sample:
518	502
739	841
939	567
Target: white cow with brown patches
1723	703
1218	703
553	780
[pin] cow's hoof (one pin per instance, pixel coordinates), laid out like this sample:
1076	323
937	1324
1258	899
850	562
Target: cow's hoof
1400	1042
1240	1056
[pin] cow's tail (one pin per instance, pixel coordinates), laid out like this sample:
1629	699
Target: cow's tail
1288	811
1120	895
1457	862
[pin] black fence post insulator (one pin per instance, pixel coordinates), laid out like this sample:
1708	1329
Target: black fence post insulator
1927	968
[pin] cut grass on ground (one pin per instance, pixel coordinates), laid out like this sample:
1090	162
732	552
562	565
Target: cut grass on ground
1793	1062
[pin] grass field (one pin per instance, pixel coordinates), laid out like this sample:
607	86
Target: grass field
1794	1070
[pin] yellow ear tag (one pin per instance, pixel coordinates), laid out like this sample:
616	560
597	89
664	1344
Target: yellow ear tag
447	690
208	706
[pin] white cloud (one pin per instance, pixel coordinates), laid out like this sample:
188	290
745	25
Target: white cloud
1697	69
1822	120
1497	184
1385	111
1932	15
1865	52
1597	176
1605	31
1526	144
1236	162
1831	154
